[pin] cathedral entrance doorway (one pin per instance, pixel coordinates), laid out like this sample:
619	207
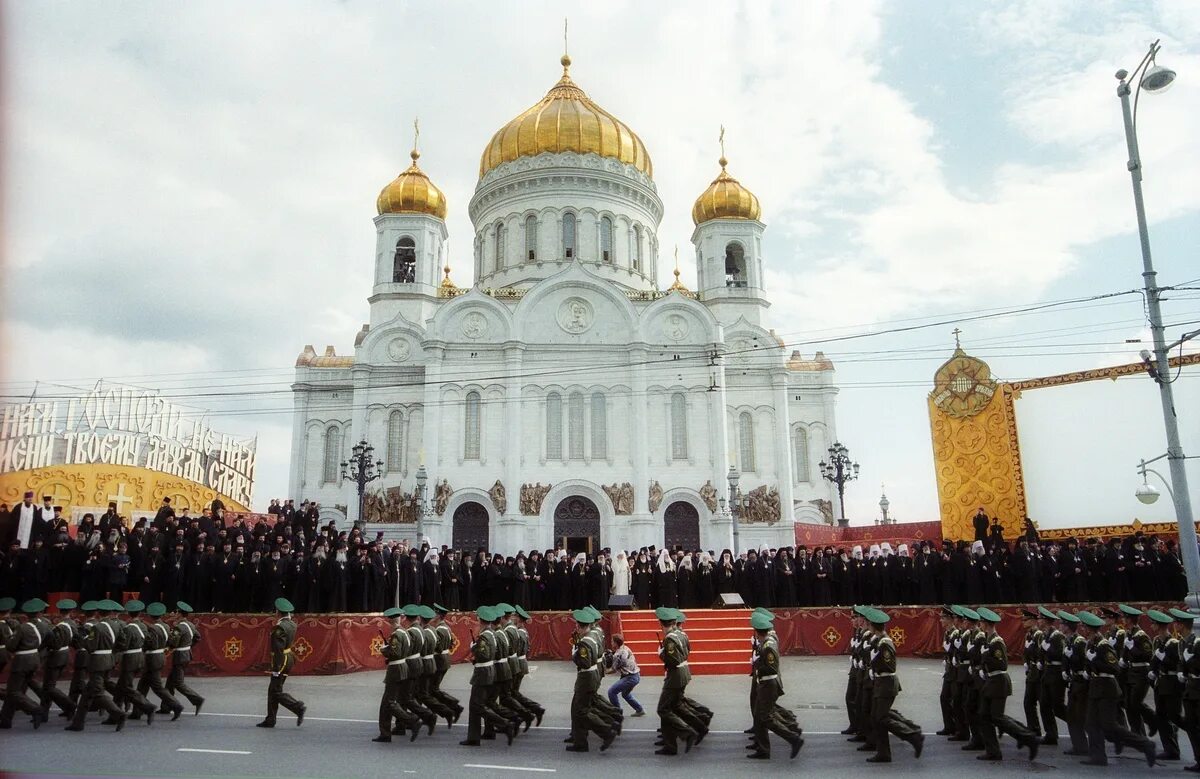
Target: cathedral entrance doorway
470	527
681	526
577	525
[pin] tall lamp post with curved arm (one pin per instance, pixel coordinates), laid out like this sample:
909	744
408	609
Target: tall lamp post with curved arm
840	469
362	471
1151	77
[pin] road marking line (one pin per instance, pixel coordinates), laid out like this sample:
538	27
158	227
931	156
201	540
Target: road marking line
215	751
510	768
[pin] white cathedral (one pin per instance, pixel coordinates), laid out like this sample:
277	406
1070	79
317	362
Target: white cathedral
564	399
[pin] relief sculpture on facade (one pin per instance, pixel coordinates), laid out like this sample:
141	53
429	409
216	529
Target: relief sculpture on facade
499	496
441	497
708	494
762	506
621	496
532	496
390	505
656	496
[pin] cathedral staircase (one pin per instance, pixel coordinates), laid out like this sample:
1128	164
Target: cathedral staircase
720	640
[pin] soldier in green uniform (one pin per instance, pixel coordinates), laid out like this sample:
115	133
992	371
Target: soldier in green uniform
972	699
788	716
885	688
994	691
158	639
1165	667
1135	655
695	713
445	639
8	628
523	647
79	668
1075	673
1051	696
857	625
283	635
101	639
1189	660
133	661
962	674
586	654
946	698
415	700
1104	698
57	645
429	643
483	677
1031	659
866	685
769	687
674	653
395	650
507	669
25	646
184	636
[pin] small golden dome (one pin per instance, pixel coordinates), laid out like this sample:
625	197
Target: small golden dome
564	120
725	198
412	193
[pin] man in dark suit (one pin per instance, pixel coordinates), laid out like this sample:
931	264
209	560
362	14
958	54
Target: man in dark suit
165	512
981	524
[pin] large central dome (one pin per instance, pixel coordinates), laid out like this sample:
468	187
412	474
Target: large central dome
565	120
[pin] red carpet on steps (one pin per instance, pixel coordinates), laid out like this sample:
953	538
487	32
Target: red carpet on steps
720	640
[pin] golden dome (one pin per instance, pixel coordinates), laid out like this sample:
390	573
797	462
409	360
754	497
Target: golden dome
412	193
566	119
725	198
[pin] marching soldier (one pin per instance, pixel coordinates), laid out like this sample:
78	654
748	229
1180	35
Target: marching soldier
79	670
674	654
946	698
1075	672
974	684
483	677
962	675
506	670
853	729
538	710
1104	697
1165	668
429	654
8	628
866	684
130	644
586	654
59	640
994	691
395	650
418	702
786	714
158	638
1032	659
693	712
1052	696
768	687
1190	666
445	639
101	639
25	646
885	688
283	635
184	636
1135	654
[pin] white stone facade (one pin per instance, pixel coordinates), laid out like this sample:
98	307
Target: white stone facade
573	372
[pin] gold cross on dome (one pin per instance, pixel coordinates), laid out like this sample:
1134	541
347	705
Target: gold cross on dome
416	132
565	52
721	139
956	332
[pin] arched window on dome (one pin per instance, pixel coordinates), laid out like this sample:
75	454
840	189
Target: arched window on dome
599	426
531	237
800	455
554	426
404	264
679	433
471	427
637	248
746	441
606	239
331	470
575	426
395	442
568	237
500	238
735	265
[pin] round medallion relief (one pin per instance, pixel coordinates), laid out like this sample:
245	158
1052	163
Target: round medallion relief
474	325
398	349
676	327
575	315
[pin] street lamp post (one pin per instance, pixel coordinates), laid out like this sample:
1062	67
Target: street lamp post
1155	78
362	471
736	503
422	503
839	469
884	504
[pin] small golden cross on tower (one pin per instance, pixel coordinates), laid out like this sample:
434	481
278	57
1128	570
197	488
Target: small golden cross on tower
416	131
957	333
565	51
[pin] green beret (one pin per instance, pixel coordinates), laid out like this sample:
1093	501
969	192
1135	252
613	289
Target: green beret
88	605
1047	613
66	604
427	613
680	617
484	613
665	614
156	609
34	606
987	614
595	612
861	611
135	606
765	612
1089	619
505	608
1184	616
1067	616
1129	611
967	613
183	607
8	604
413	610
522	613
584	617
760	621
1159	617
877	617
394	611
284	605
108	605
441	608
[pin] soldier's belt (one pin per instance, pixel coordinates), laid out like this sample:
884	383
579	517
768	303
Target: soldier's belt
131	651
519	657
155	651
683	664
1104	676
396	662
445	652
587	670
1139	665
997	673
426	657
26	652
413	657
483	663
1054	662
881	675
100	652
768	678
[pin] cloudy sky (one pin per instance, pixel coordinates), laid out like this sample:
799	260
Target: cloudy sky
188	188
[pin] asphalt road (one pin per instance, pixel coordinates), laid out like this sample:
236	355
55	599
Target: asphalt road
335	740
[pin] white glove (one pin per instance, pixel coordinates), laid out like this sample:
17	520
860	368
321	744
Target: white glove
982	675
1086	675
1068	652
1187	655
1129	643
1045	645
1161	655
1091	654
1066	676
1041	666
1181	677
1152	676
